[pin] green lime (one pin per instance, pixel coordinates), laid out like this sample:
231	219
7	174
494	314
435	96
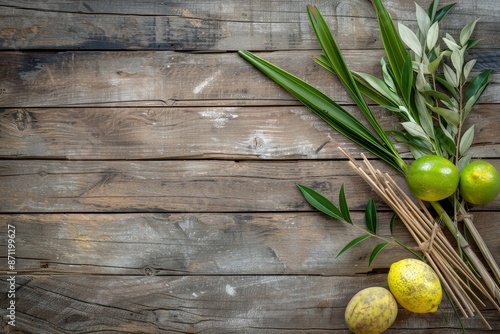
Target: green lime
432	178
479	182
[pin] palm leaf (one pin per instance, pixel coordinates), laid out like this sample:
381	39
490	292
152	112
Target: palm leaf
364	87
332	113
393	45
336	62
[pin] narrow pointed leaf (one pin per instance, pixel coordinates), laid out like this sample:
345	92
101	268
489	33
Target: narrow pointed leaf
417	255
334	56
407	80
412	142
333	114
392	223
468	68
365	88
457	59
466	140
433	7
433	65
450	76
444	140
476	88
410	39
344	209
448	86
432	35
415	130
423	20
439	95
441	13
353	243
464	161
320	203
471	43
376	251
467	32
478	84
450	43
449	115
393	45
387	74
371	218
425	117
378	86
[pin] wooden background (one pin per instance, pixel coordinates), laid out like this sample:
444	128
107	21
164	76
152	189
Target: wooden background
150	172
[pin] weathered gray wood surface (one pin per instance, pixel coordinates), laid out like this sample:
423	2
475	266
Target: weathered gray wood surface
151	173
172	78
172	186
207	243
215	25
213	304
238	132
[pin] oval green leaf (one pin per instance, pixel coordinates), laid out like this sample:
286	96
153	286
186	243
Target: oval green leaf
353	243
375	252
320	203
371	219
344	209
466	140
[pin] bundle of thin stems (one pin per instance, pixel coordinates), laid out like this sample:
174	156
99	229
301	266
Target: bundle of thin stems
455	275
425	112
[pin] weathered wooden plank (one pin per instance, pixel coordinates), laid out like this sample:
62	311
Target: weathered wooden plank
228	25
160	133
179	186
172	78
208	304
207	244
287	132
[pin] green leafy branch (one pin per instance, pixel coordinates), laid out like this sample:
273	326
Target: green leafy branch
342	213
425	86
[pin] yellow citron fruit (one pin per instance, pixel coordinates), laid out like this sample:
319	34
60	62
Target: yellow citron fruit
371	311
415	285
432	178
479	182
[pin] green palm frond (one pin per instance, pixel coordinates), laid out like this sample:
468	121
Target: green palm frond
328	110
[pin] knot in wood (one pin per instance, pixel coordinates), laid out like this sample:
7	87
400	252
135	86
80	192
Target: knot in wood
23	119
149	271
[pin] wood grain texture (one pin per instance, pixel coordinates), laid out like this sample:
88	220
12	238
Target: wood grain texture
202	244
175	186
150	172
281	132
208	244
209	304
173	79
214	26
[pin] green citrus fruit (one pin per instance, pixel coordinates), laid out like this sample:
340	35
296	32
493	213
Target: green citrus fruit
415	285
479	182
371	311
432	178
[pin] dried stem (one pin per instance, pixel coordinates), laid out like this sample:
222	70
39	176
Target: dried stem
467	219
